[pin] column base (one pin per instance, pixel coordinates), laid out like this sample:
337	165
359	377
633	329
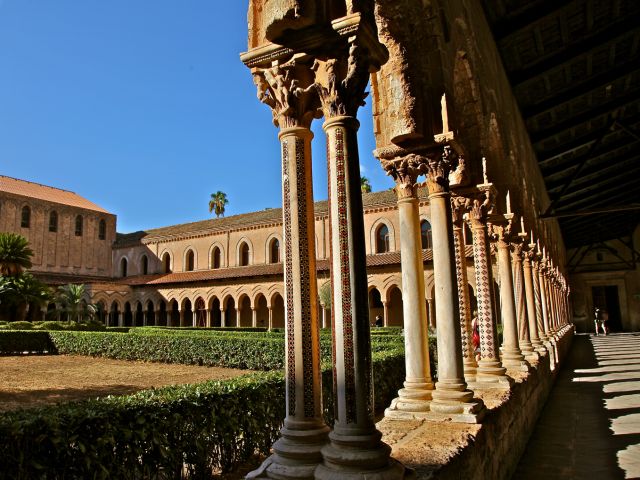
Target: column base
297	454
454	401
514	360
359	457
470	369
411	403
491	374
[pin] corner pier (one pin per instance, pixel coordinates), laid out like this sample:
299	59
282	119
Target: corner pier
490	450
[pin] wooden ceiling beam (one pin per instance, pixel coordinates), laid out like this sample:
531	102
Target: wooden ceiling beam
526	17
608	166
593	195
612	33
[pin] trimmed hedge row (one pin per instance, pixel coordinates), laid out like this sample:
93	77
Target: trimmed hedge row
233	352
154	433
14	342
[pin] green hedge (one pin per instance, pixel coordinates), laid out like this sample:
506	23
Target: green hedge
19	341
151	434
245	352
209	329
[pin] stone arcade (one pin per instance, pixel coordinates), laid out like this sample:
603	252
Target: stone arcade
314	59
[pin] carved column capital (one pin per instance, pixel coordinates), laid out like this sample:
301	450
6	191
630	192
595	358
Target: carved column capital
517	252
500	233
289	91
460	205
405	171
480	206
341	82
437	169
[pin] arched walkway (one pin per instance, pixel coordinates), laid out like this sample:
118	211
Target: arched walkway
244	306
200	313
187	314
139	316
376	308
162	314
230	317
216	315
277	311
114	315
128	315
262	311
151	314
395	316
174	314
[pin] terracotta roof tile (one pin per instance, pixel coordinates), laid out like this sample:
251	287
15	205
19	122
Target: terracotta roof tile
46	193
322	265
268	216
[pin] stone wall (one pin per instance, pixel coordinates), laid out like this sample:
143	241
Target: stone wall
62	251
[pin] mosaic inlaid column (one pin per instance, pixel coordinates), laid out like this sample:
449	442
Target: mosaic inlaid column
544	298
356	450
531	300
414	399
490	372
298	451
459	206
512	356
451	396
524	336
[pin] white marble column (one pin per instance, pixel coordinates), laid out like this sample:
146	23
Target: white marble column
254	317
270	318
490	372
414	399
451	396
512	356
297	453
524	336
459	206
531	300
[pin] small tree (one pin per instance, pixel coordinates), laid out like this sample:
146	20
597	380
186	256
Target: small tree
365	185
17	293
71	297
15	254
217	203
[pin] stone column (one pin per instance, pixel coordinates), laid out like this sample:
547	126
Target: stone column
524	336
490	372
238	316
451	396
156	318
254	317
288	90
385	314
535	267
531	301
512	357
324	315
120	319
208	320
459	206
415	397
544	299
223	318
270	318
432	312
355	450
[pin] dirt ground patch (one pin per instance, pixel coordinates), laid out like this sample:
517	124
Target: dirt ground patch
27	381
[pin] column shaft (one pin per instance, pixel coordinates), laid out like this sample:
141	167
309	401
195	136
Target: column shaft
531	304
524	336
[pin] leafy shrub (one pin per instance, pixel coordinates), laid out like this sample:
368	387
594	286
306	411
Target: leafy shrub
118	329
223	351
152	433
15	342
210	329
20	325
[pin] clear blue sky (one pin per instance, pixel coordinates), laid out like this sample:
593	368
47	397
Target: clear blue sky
143	107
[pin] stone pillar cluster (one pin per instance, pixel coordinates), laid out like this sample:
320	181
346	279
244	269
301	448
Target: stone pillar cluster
306	67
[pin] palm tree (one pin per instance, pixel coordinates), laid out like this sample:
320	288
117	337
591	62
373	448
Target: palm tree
20	291
15	254
217	203
365	185
71	297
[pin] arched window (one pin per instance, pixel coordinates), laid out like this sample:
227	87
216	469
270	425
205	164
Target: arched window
26	217
382	239
102	230
123	267
244	254
425	234
144	265
274	251
53	221
189	261
215	258
166	263
79	226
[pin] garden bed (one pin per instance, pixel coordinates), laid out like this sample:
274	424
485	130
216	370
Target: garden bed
28	381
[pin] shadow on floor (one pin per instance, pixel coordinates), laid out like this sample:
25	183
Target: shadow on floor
590	425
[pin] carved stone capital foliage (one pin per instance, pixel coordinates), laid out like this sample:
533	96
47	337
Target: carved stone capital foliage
500	233
405	171
459	206
481	205
517	252
438	167
289	90
341	81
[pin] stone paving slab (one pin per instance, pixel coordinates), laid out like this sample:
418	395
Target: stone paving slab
590	426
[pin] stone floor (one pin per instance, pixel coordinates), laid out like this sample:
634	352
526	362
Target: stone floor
590	426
